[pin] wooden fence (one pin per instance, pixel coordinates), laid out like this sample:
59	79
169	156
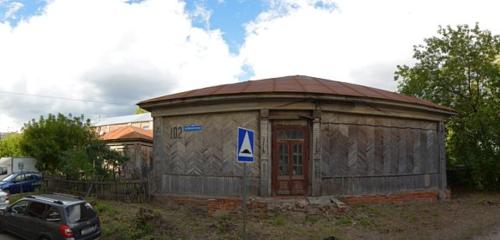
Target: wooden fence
120	190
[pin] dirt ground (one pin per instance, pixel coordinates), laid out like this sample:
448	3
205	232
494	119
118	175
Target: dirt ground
492	235
466	216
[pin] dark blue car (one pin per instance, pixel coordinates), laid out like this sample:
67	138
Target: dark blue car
21	182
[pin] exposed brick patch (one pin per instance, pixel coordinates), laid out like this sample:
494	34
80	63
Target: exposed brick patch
191	201
391	198
312	205
445	195
210	205
217	205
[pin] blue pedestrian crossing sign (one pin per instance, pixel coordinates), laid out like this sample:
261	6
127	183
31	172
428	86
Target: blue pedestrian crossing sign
245	145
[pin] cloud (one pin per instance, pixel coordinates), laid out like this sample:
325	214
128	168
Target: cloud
358	41
12	10
202	14
115	53
111	53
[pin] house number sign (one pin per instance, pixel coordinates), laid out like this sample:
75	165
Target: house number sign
176	132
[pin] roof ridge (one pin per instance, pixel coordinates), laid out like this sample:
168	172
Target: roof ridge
127	132
217	88
320	81
298	82
350	87
247	85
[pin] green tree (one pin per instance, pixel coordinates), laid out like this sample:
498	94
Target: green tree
139	110
459	68
10	146
67	145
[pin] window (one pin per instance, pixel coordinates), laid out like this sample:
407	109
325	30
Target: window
28	176
36	209
79	212
52	215
297	159
19	178
9	177
291	134
19	207
283	159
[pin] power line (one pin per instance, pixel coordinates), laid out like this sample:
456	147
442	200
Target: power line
60	98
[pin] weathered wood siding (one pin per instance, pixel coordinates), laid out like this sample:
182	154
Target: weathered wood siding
139	162
203	162
367	154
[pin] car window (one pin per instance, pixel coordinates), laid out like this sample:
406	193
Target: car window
9	177
19	207
29	176
36	209
19	178
79	212
53	215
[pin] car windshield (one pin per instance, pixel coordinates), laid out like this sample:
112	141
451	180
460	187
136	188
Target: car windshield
9	177
79	212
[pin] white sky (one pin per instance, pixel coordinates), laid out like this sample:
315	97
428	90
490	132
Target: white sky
113	52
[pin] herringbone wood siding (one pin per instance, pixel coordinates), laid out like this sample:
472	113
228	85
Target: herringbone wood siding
204	162
364	154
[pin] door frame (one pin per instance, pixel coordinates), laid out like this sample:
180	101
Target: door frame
275	161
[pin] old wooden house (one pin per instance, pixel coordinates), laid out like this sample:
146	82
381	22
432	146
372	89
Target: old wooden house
137	145
313	137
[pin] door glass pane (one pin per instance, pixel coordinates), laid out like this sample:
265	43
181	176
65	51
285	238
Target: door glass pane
36	209
283	157
297	159
52	215
291	134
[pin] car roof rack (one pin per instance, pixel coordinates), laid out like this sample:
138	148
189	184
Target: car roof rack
68	195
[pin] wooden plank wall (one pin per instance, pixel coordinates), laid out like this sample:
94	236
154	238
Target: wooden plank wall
138	164
365	154
204	162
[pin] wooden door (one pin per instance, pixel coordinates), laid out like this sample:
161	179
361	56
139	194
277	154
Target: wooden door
290	160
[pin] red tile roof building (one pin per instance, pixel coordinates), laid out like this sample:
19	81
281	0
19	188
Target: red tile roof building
129	133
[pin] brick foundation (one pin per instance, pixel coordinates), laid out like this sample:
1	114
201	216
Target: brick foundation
216	205
430	196
262	205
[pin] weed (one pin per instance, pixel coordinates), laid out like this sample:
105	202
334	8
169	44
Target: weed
278	220
224	223
344	220
312	218
104	208
365	222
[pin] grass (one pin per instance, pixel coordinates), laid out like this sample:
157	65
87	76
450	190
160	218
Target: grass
466	216
455	219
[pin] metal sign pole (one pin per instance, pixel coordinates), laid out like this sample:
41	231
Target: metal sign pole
244	152
244	201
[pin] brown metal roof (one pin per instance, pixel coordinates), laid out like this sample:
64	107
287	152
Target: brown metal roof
128	133
297	84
